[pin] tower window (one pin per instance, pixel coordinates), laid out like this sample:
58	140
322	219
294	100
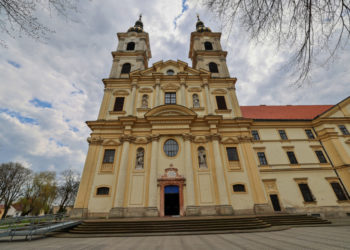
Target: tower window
306	192
320	156
130	46
232	154
109	156
119	104
309	134
291	157
283	134
213	67
262	158
102	191
344	130
208	46
338	191
238	188
170	98
170	72
255	135
220	100
126	68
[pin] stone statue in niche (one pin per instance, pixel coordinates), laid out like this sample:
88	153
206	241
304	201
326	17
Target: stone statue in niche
195	101
139	158
144	101
202	158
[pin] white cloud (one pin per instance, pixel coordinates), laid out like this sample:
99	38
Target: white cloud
66	72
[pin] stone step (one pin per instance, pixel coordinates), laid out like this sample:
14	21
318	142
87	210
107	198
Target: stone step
171	227
167	224
142	230
188	225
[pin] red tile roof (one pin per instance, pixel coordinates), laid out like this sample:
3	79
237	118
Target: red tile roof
289	112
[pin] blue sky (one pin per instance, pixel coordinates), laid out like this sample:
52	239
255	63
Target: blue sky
49	89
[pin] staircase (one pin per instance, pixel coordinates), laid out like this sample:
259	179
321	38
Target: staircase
292	219
188	225
168	226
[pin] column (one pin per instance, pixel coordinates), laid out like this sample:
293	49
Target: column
261	205
219	169
130	108
123	167
85	188
105	103
157	92
207	95
153	189
189	170
234	102
182	90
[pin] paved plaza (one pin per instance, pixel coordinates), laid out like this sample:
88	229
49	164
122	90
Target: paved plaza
295	238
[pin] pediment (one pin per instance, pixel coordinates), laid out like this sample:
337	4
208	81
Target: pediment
219	91
170	111
121	92
229	140
141	140
200	139
179	67
111	142
340	110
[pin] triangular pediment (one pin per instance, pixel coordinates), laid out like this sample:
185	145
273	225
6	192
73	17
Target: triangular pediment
340	110
178	67
170	111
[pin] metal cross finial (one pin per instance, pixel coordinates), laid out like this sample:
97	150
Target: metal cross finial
140	17
198	17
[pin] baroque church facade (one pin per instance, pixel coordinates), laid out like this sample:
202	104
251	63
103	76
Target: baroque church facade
171	139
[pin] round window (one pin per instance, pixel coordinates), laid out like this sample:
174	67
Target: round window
171	148
170	72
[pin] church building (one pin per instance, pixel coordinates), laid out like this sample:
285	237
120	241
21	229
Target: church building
172	140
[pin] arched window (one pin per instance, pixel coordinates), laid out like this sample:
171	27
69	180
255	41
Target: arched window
202	158
213	67
208	46
195	100
130	46
126	68
102	191
239	188
140	154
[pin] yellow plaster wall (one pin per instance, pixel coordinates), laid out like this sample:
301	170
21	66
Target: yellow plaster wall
290	195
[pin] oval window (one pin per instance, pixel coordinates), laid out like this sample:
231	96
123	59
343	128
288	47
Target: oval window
171	148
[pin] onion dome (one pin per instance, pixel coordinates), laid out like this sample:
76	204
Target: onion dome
200	26
138	27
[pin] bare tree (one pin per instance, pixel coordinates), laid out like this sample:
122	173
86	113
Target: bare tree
13	176
39	194
68	189
310	27
19	17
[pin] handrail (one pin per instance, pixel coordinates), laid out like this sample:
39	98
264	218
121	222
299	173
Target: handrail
30	225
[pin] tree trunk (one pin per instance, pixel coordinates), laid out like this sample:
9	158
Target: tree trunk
6	209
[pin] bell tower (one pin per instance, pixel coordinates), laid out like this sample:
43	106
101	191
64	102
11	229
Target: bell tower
206	51
133	51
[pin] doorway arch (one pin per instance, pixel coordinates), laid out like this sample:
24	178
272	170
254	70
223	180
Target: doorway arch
171	193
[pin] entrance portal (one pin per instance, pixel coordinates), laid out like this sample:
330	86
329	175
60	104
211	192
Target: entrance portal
171	200
275	202
171	192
